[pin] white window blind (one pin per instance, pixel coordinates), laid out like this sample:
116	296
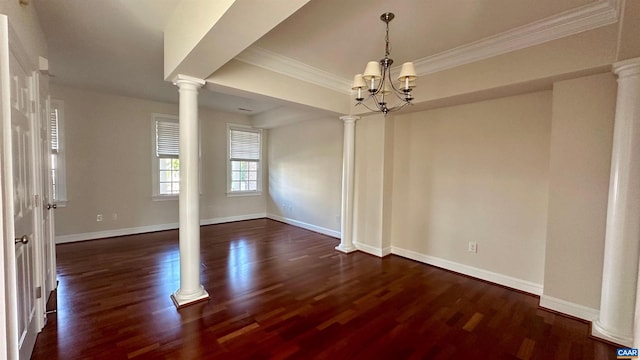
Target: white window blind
56	144
244	153
244	144
167	138
54	130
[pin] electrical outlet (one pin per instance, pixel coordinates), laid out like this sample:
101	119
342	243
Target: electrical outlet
99	217
337	219
473	246
114	217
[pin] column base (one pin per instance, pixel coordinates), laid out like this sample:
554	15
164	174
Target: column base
182	300
345	249
601	333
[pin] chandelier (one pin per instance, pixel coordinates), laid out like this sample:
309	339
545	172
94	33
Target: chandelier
377	80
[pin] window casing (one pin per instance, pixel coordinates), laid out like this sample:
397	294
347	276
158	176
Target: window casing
244	165
165	157
56	141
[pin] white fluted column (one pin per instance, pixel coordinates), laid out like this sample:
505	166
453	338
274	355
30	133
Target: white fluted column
191	290
622	238
348	170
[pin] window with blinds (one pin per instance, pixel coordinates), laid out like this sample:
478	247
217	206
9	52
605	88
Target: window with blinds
53	129
167	138
167	151
56	144
244	159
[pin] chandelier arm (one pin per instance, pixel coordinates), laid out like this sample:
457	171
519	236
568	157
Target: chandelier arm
399	107
396	90
368	108
401	95
380	103
377	101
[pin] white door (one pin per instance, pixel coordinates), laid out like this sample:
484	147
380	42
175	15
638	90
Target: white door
48	205
8	348
22	137
40	155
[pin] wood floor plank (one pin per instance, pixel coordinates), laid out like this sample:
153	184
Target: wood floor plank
282	292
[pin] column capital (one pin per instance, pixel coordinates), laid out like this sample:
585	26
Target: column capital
180	80
627	67
349	118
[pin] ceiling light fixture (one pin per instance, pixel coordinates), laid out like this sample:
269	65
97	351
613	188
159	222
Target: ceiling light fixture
377	80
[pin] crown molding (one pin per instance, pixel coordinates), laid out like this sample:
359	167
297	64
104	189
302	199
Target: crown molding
587	17
269	60
584	18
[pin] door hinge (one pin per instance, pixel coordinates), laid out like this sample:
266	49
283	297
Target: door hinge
38	292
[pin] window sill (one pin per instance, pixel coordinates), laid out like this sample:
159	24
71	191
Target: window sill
243	193
165	197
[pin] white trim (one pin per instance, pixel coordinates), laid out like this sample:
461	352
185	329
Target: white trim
501	279
260	175
164	197
8	296
155	168
269	60
372	250
584	18
229	219
569	308
62	239
588	17
243	193
314	228
189	79
600	332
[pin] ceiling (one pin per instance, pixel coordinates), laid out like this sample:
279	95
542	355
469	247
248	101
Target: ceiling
117	45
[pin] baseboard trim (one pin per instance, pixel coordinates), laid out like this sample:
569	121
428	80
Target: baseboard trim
504	280
569	308
62	239
600	333
372	250
304	225
229	219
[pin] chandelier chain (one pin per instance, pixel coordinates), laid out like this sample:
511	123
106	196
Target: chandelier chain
386	39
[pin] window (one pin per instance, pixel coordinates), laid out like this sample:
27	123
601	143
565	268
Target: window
244	167
56	141
166	152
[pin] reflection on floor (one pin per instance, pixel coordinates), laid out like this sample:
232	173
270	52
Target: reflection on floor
279	291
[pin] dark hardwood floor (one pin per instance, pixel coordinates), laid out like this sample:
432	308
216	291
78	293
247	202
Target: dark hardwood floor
278	291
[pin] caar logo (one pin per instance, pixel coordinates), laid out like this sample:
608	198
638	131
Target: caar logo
627	353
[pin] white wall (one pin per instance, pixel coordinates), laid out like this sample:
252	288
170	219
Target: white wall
23	20
476	172
305	174
581	141
373	184
108	149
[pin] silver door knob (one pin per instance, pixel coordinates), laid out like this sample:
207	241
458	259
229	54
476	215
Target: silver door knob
52	206
24	239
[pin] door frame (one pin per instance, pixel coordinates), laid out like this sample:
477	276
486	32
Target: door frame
36	183
10	44
8	268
